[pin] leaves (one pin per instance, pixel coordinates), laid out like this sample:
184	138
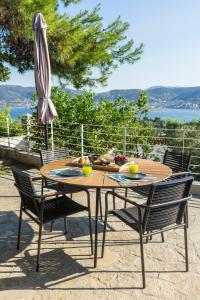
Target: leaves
103	121
80	46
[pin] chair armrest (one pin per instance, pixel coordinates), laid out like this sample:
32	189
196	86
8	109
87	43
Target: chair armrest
181	173
178	175
40	197
124	199
51	194
34	178
153	206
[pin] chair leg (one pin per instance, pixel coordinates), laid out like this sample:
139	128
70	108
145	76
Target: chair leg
148	238
51	228
19	228
65	225
114	204
142	261
187	218
126	194
90	229
186	248
42	186
162	236
104	233
39	245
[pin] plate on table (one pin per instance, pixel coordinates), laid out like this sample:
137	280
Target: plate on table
135	176
69	172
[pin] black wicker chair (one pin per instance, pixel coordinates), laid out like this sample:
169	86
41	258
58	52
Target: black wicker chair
43	210
48	156
179	163
165	210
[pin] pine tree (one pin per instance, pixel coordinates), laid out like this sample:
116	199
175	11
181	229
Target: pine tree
82	51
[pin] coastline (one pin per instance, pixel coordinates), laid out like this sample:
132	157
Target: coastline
179	114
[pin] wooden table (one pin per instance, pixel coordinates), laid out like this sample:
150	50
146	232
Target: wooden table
98	181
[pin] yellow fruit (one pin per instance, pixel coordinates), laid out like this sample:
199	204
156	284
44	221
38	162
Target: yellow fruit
133	168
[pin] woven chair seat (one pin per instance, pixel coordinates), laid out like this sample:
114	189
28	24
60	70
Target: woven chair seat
129	216
64	187
60	207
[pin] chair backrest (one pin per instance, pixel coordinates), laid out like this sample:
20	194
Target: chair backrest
164	207
176	161
48	156
26	190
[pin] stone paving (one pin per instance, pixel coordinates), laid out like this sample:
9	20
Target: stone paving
67	267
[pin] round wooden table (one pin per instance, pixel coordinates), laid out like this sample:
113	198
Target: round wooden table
99	180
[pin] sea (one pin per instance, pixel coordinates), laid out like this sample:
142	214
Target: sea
186	115
16	112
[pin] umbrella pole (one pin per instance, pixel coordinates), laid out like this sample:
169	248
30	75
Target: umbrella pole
46	136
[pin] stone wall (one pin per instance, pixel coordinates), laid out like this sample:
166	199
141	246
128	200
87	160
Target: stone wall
26	158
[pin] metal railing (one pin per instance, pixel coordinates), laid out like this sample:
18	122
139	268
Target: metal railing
16	134
85	139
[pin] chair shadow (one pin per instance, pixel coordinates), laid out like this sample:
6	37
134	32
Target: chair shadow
78	226
55	266
8	235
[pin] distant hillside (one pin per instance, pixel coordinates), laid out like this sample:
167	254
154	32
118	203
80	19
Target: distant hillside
159	97
131	94
177	93
15	95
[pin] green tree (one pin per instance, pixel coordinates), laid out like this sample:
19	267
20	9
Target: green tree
82	50
104	122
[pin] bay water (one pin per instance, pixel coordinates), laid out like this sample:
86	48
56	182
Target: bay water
186	115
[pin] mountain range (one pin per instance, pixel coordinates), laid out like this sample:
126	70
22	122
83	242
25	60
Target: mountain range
159	96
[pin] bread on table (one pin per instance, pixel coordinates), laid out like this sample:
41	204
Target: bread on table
83	160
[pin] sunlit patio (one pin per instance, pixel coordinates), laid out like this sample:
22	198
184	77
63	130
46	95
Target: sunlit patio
99	154
67	266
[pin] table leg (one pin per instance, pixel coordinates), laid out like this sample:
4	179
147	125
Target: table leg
98	195
100	207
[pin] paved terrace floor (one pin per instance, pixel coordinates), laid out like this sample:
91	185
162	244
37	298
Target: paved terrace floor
67	266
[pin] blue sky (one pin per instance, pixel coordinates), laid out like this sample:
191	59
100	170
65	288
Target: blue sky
170	31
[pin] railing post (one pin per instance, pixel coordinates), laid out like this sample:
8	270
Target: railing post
124	141
52	137
28	132
82	140
8	130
